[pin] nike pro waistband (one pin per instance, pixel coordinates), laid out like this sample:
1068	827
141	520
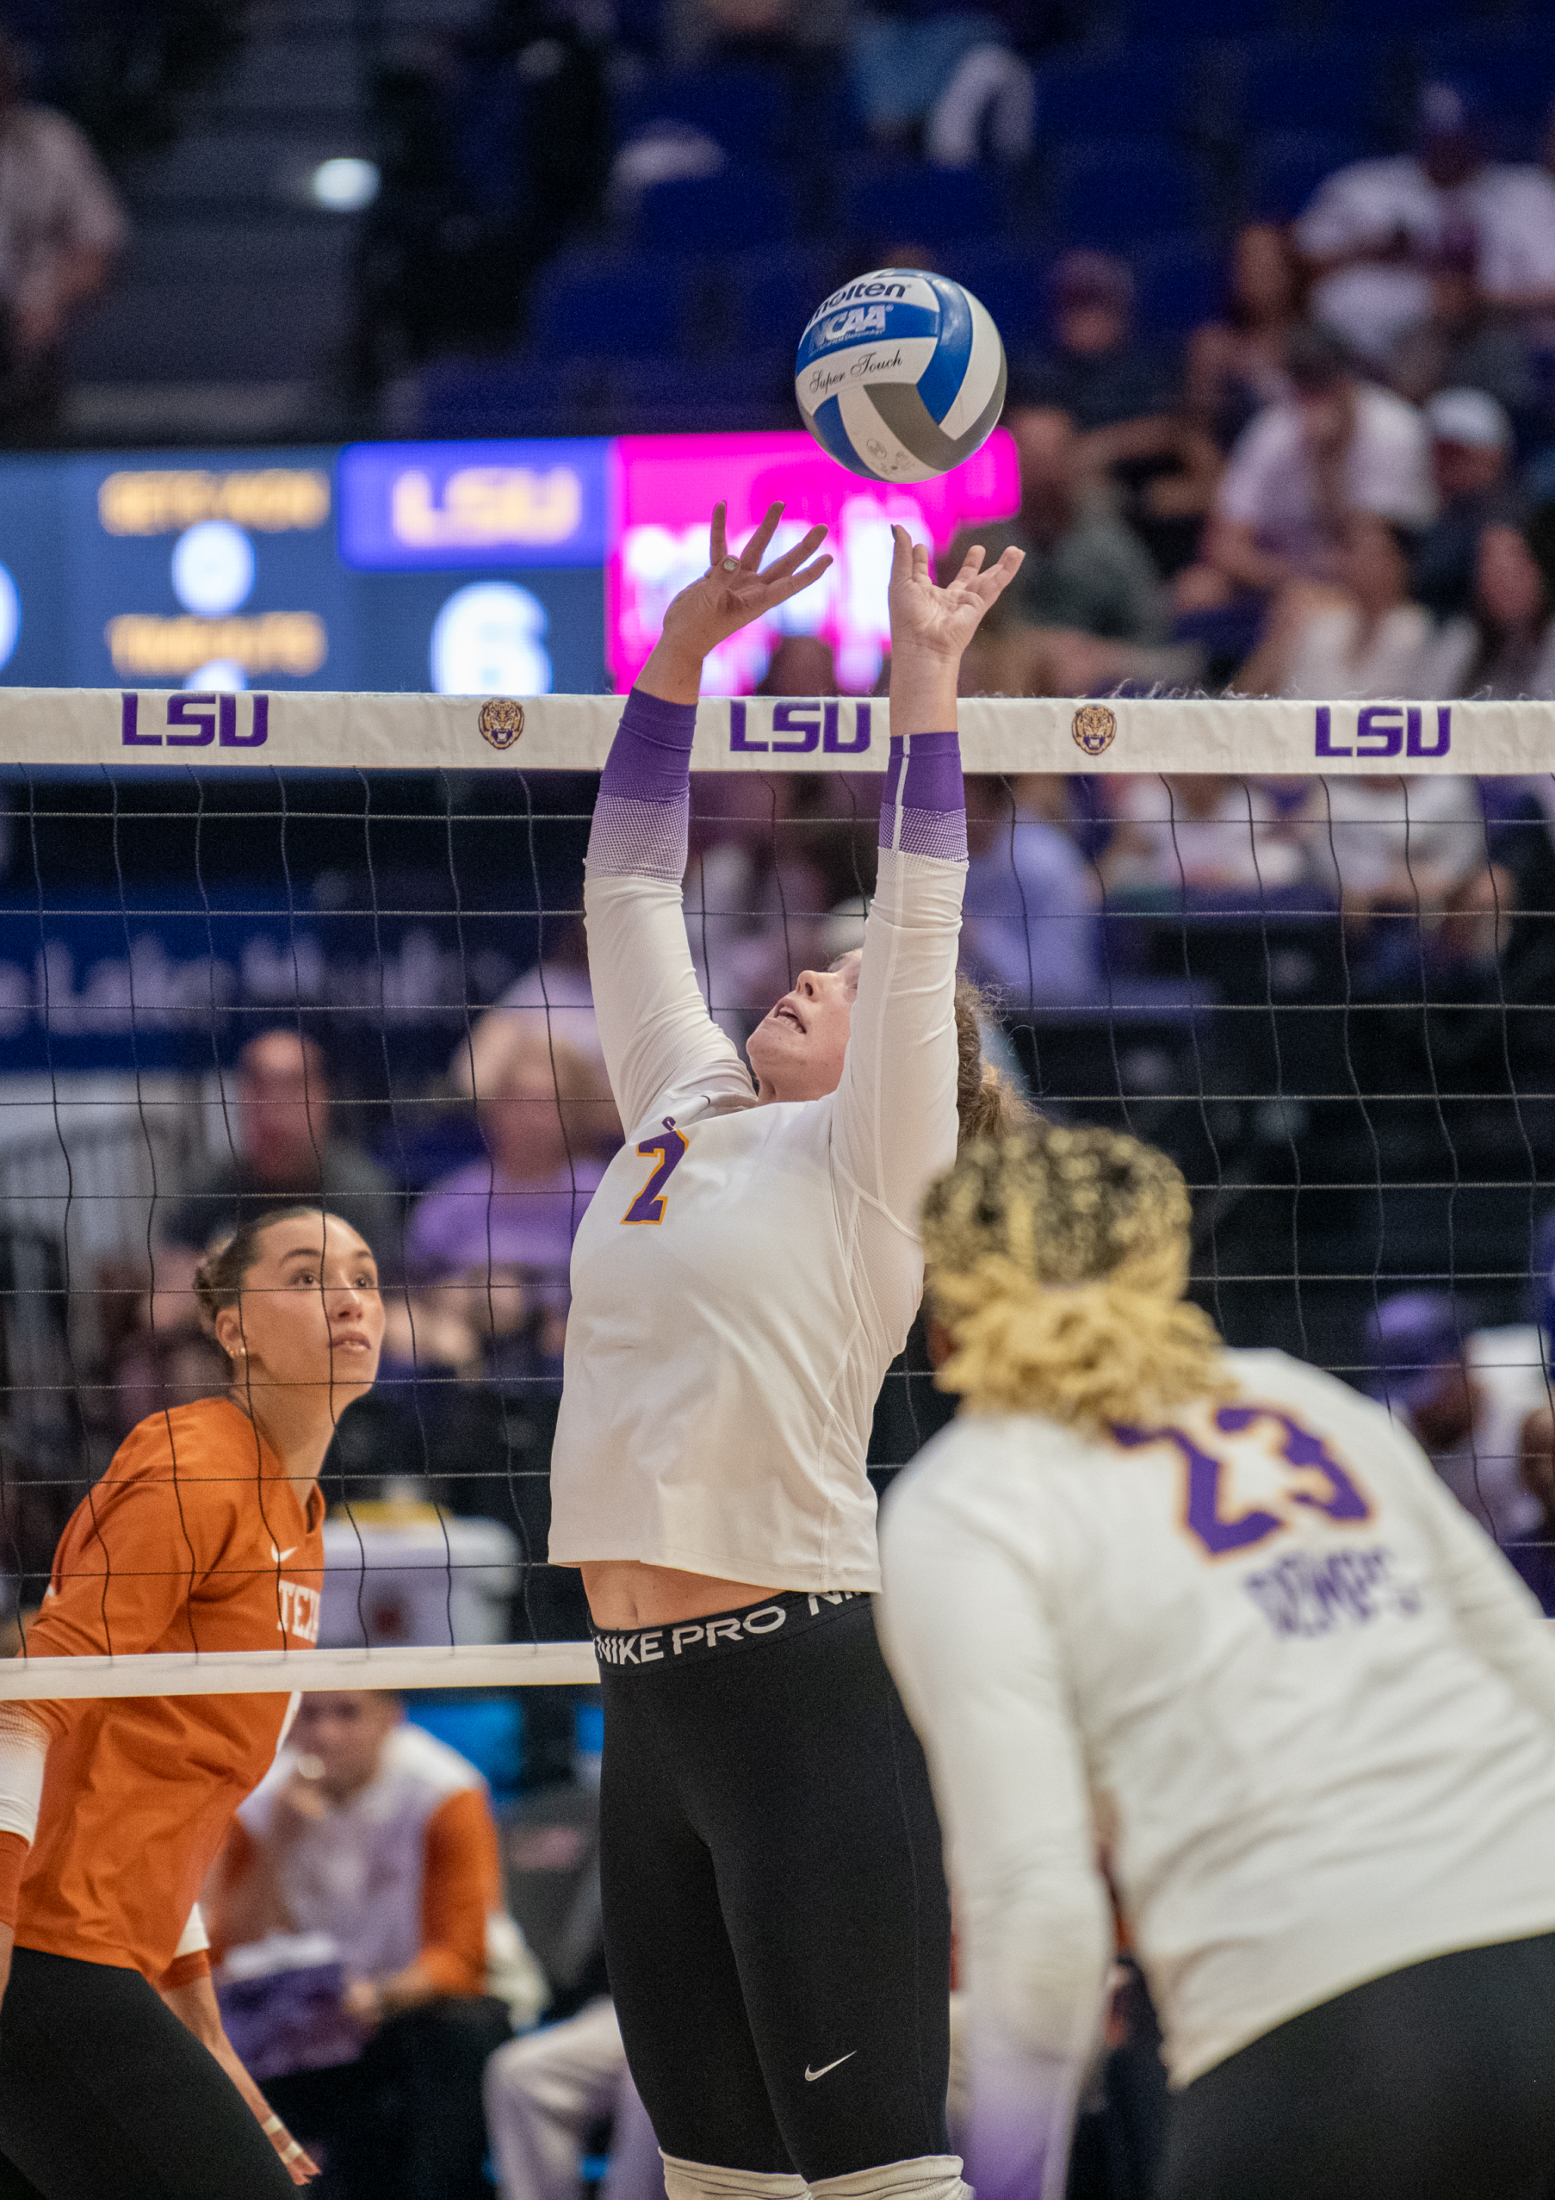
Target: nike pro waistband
788	1613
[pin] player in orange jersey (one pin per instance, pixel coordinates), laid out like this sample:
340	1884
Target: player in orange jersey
116	2079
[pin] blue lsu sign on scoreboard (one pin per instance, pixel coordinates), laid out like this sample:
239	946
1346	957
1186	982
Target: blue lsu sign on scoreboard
425	506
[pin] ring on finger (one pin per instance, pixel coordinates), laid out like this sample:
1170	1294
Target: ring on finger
731	565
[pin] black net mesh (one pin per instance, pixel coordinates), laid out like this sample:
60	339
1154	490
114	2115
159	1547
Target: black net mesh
1329	1001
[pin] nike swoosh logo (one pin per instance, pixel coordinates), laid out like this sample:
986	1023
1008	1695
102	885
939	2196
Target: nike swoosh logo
290	1548
810	2075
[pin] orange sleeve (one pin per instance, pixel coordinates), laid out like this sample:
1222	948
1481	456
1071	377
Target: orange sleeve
132	1552
460	1887
184	1970
13	1862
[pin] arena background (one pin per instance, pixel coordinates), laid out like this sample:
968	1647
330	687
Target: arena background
399	352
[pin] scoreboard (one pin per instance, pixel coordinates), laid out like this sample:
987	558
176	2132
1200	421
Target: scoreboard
512	567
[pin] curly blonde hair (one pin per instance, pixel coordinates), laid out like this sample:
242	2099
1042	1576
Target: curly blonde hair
1057	1261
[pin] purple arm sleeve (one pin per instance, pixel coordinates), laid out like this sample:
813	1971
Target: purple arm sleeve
923	809
644	805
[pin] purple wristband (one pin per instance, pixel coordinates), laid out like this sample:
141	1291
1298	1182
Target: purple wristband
643	814
923	809
650	757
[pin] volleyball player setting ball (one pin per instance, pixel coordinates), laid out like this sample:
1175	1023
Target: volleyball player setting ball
776	1921
1211	1615
116	2079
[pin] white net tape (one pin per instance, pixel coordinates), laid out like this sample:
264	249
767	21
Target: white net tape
75	726
269	1672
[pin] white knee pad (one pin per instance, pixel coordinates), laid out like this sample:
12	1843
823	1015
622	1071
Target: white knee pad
924	2177
702	2181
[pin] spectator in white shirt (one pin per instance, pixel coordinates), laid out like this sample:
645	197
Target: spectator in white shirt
546	2092
1359	635
1333	447
1411	864
1371	228
1199	832
61	227
1471	454
1518	270
1464	1395
1465	341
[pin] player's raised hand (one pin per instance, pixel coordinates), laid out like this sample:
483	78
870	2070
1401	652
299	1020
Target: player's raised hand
930	621
730	594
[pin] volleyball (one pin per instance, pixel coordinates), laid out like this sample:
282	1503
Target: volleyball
900	375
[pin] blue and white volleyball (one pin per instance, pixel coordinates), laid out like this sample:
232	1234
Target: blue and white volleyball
900	375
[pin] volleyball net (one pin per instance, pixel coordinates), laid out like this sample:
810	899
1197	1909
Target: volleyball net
1309	949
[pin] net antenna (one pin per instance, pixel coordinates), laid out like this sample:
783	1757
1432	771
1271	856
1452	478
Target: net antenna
1359	1090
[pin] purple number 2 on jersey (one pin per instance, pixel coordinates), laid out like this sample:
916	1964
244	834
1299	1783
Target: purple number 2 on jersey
670	1148
1299	1448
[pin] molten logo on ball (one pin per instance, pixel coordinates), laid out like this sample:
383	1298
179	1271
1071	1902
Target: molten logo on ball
900	375
501	721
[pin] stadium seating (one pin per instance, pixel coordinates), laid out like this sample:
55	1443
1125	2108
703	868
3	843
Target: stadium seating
1155	138
1110	195
1008	277
1285	167
745	110
890	201
590	305
1181	282
1309	87
757	292
738	208
1140	93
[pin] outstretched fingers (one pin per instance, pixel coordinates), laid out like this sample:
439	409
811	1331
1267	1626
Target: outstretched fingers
971	566
901	555
992	584
802	579
717	539
756	549
781	568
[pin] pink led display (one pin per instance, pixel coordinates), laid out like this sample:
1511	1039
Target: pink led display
667	485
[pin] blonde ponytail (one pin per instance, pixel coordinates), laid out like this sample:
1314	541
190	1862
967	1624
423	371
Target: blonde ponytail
1057	1261
986	1107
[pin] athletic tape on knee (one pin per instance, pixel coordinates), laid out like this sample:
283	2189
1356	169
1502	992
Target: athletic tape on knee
924	2177
703	2181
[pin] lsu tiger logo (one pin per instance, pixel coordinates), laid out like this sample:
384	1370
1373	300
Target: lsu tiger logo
1094	728
501	721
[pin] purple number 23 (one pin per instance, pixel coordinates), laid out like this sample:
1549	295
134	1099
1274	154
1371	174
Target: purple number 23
1298	1447
670	1148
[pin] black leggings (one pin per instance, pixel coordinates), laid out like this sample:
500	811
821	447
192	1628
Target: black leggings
777	1926
1433	2083
105	2095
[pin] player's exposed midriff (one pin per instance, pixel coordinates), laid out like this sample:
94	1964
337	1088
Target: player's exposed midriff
623	1592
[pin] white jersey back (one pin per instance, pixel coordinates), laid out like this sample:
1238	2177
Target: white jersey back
1261	1659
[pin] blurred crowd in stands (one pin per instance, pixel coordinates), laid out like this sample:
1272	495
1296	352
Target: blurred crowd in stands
1279	300
1280	307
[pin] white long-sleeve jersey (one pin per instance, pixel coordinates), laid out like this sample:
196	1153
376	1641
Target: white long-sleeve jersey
1262	1664
745	1274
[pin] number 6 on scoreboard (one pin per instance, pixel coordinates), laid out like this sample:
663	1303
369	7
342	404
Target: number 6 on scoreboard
670	1147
